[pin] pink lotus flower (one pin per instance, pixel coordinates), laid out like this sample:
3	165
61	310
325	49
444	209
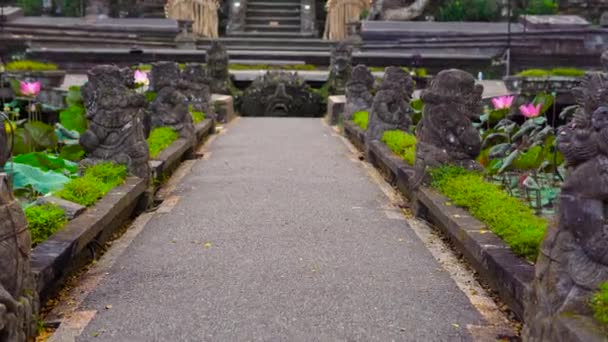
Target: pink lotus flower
29	88
503	102
530	110
141	78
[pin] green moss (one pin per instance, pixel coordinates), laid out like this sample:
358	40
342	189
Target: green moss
197	116
96	181
402	143
566	72
599	304
420	72
27	65
150	96
160	138
44	221
361	119
504	215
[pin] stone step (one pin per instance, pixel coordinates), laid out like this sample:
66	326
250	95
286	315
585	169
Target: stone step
274	5
272	28
272	34
251	47
272	12
269	20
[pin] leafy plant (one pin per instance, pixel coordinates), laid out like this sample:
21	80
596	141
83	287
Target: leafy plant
402	143
599	304
504	215
150	96
160	138
108	173
361	119
565	72
74	118
96	181
73	153
34	136
46	162
26	177
536	7
44	221
469	10
27	65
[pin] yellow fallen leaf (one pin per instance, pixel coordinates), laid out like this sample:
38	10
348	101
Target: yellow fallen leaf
108	307
207	244
455	325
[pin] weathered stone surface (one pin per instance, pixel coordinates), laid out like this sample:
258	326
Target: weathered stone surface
195	85
224	107
335	108
391	108
170	108
340	68
280	94
217	67
116	114
359	91
562	22
446	134
72	210
573	260
18	297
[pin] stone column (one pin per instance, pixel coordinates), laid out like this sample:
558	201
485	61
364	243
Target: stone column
98	9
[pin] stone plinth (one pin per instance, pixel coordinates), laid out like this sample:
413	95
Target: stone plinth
224	107
335	108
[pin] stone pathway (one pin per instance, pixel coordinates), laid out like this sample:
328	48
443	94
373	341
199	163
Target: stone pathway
279	235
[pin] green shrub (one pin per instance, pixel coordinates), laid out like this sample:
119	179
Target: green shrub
44	221
469	10
197	116
96	181
361	119
150	96
31	7
504	215
599	304
26	65
534	73
402	143
160	138
568	72
536	7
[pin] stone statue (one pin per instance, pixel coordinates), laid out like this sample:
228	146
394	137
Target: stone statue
170	108
359	91
397	10
391	106
445	133
18	294
195	85
573	259
116	114
280	94
217	66
340	68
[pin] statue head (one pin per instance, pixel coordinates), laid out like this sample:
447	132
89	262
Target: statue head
399	80
217	60
164	74
341	57
361	80
458	88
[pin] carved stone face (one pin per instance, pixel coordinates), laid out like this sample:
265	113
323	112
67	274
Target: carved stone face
599	118
341	58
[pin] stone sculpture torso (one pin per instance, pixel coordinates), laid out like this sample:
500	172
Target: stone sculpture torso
217	67
390	108
359	91
116	114
573	260
195	86
170	108
446	134
340	68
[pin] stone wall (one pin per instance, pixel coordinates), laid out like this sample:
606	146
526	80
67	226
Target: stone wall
591	9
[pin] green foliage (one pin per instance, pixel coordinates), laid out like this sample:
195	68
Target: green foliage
564	72
74	97
46	162
150	96
94	184
26	177
160	138
73	153
536	7
34	136
72	8
44	221
504	215
196	115
419	72
599	304
74	118
402	143
469	10
26	65
361	119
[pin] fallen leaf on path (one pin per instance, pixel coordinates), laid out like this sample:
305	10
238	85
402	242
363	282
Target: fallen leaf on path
207	244
108	307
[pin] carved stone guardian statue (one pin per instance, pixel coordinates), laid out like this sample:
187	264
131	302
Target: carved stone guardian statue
195	85
18	294
217	67
340	68
359	91
445	133
573	259
391	108
116	114
170	108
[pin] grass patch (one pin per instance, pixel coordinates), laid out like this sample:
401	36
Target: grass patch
599	304
27	65
402	143
196	115
96	181
160	138
361	119
564	72
44	221
506	216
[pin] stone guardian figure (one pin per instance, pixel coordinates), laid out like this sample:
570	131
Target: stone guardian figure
340	68
359	91
217	67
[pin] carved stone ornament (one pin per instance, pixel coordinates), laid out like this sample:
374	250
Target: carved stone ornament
340	68
116	114
359	91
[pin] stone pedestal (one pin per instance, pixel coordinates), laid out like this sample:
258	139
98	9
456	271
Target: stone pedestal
335	108
224	107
